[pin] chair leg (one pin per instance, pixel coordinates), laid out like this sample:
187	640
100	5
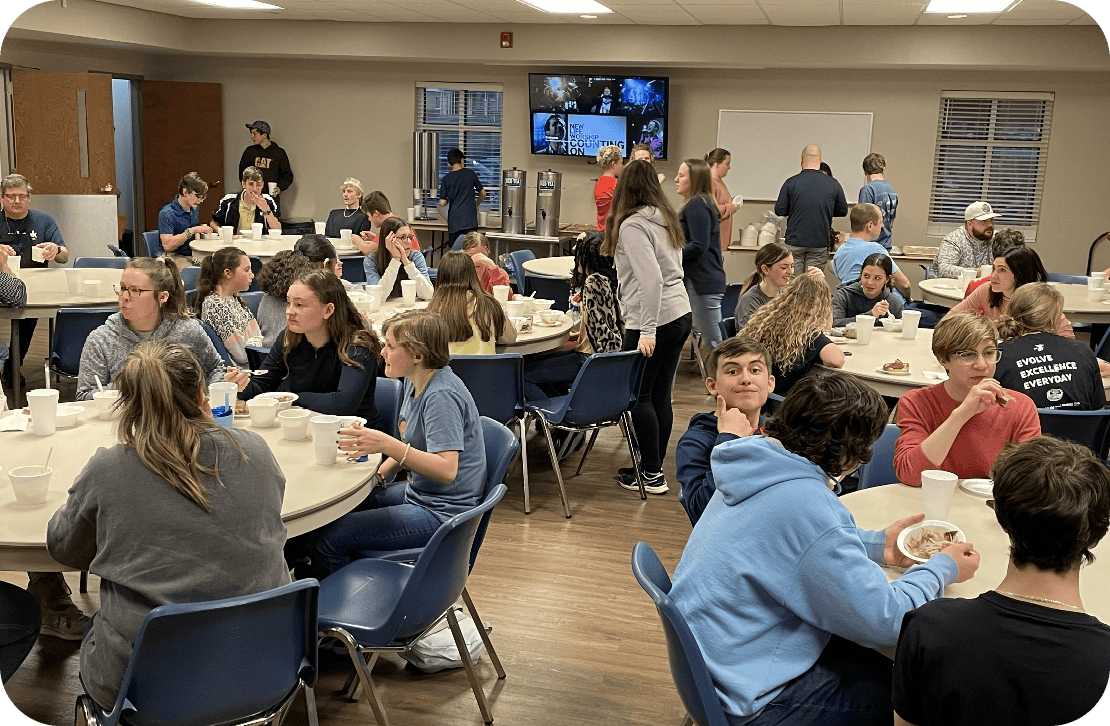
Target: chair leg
363	671
633	450
310	706
482	631
589	447
524	462
555	463
687	721
350	687
471	674
83	712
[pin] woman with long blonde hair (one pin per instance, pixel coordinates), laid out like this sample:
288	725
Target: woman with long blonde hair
180	510
645	240
475	320
1055	371
792	327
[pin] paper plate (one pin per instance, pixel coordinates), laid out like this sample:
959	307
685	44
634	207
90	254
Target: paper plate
892	373
933	524
979	487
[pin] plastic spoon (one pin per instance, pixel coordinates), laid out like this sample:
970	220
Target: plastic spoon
47	464
99	385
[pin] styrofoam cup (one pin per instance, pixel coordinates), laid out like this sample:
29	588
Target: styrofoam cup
345	237
294	423
30	484
910	321
43	403
91	288
263	411
985	270
226	233
73	280
410	214
514	308
1096	282
483	219
14	265
105	401
273	233
256	231
501	293
272	186
408	292
1094	294
865	325
937	488
37	254
375	294
325	438
320	227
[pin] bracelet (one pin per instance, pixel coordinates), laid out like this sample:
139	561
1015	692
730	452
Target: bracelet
404	456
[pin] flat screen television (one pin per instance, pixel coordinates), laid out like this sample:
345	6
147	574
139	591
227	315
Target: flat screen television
575	115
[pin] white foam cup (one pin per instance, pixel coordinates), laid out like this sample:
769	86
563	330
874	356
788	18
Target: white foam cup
1095	286
273	233
514	308
345	237
985	270
226	233
865	325
501	293
272	186
13	264
325	438
43	403
222	397
937	488
73	280
410	213
256	231
105	400
910	321
374	296
91	288
30	484
408	292
320	227
37	254
263	411
483	219
294	423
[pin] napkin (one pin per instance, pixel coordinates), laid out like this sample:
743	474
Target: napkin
15	421
935	376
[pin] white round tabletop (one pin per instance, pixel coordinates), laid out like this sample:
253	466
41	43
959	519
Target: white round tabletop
265	248
947	292
314	494
559	267
878	507
48	288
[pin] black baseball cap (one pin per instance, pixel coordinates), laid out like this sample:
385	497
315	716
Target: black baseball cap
261	126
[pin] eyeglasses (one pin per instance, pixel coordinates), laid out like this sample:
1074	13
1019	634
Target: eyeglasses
129	291
201	197
405	237
990	355
17	197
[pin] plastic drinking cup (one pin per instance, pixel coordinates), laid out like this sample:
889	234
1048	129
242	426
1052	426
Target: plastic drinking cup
222	397
865	325
30	484
910	321
43	403
256	231
408	292
937	488
294	423
73	280
105	401
320	227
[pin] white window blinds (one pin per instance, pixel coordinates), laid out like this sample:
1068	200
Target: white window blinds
467	117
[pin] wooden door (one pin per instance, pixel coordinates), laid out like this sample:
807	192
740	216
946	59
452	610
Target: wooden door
182	132
64	135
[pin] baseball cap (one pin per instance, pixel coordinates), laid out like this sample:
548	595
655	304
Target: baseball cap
261	126
979	211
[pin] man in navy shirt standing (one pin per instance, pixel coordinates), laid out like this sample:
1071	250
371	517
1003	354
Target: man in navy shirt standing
461	191
34	237
809	200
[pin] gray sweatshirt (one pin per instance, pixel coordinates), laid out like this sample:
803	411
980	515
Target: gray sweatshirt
106	349
649	273
152	546
850	300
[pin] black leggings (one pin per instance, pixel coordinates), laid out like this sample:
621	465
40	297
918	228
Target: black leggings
19	626
652	418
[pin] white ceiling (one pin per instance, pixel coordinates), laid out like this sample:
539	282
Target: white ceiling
633	12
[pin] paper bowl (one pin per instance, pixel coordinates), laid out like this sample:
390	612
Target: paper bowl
285	399
346	422
891	324
541	305
67	415
978	487
929	524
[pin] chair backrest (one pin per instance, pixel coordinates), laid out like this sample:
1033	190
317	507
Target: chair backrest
263	644
928	270
71	327
1089	428
439	573
152	239
353	271
728	328
252	299
1103	348
496	382
256	267
772	405
215	338
387	400
189	277
596	394
1072	279
118	252
731	297
518	258
102	262
501	446
880	470
548	288
688	670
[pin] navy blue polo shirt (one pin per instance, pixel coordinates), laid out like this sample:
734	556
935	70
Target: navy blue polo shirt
173	219
23	234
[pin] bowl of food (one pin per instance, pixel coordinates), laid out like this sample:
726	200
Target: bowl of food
67	415
285	399
891	324
541	305
921	541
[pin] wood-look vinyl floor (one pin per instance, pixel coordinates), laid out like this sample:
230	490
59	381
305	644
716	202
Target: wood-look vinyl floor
580	640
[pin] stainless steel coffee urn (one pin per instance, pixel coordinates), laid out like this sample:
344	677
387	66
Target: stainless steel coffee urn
425	170
548	192
514	182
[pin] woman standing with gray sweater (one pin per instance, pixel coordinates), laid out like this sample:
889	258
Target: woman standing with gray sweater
645	239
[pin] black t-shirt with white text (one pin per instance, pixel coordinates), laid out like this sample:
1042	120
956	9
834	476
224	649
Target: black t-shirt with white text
1056	372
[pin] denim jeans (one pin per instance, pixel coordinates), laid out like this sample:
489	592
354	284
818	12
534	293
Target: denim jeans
384	521
652	418
849	685
706	310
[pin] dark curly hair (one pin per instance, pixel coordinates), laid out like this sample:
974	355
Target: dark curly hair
1052	497
278	274
830	418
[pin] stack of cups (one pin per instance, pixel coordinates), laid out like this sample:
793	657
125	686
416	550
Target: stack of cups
1095	286
865	325
43	403
325	438
910	320
408	292
937	488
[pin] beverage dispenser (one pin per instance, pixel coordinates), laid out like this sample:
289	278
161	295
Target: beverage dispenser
425	170
514	182
548	191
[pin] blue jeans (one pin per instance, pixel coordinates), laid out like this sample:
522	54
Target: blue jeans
653	418
384	521
706	310
849	685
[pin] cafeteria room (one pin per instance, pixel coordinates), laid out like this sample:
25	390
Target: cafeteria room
111	105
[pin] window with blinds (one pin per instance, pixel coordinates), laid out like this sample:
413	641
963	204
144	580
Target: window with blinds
991	147
467	117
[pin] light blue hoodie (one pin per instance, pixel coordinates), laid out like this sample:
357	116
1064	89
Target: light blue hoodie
776	565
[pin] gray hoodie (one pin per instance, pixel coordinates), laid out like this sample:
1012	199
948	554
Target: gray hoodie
649	273
108	346
849	300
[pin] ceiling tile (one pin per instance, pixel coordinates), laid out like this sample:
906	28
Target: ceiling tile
940	19
860	15
728	14
803	15
525	16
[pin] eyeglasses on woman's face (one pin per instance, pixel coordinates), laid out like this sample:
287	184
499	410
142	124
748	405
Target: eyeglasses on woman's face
129	291
970	357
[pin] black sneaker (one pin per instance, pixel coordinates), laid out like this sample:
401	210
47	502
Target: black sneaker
626	472
653	483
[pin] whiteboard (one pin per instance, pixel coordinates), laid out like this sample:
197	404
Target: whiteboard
766	148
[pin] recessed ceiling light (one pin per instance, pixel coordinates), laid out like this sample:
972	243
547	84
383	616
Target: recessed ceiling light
569	7
968	6
956	17
590	17
239	4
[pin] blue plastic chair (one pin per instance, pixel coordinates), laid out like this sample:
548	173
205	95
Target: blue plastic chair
603	394
1089	428
880	470
688	670
215	338
728	328
239	660
772	405
388	395
352	268
1070	279
118	252
516	275
189	277
152	239
433	272
71	327
548	288
732	296
375	606
256	267
252	299
497	384
118	263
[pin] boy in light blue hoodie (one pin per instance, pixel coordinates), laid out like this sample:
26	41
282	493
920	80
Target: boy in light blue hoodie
783	592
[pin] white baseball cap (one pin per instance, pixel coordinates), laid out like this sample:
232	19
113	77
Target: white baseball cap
980	211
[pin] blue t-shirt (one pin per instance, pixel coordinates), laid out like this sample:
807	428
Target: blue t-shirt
173	219
23	234
460	188
444	418
881	194
848	260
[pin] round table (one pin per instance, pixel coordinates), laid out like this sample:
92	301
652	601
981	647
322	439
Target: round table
263	249
947	292
314	494
558	267
878	507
